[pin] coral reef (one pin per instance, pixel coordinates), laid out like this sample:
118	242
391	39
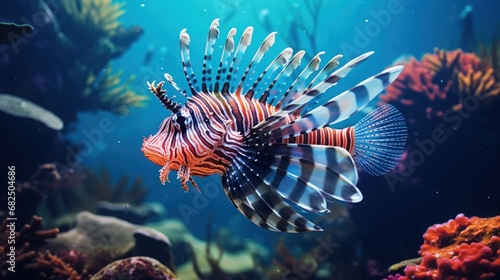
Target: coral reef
140	268
110	89
29	240
50	266
440	82
463	248
448	96
70	72
82	252
96	23
95	16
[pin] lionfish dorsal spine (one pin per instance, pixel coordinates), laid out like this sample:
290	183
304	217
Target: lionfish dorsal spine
296	105
292	90
160	93
245	40
186	62
170	79
224	59
213	34
250	70
339	107
279	61
284	75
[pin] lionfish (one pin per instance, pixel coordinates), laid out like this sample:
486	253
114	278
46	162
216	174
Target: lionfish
268	134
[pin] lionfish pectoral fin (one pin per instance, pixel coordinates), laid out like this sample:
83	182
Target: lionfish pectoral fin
184	176
258	201
380	140
194	184
164	173
307	175
263	178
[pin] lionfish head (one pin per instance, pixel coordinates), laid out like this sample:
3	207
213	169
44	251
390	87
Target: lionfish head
184	139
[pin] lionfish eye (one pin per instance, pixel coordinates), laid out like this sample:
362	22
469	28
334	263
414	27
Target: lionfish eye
182	120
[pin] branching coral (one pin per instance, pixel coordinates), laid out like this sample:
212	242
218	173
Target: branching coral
98	16
95	34
53	267
113	92
27	241
440	82
463	248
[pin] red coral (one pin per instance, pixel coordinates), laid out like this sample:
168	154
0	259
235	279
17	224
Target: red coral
440	82
442	235
462	248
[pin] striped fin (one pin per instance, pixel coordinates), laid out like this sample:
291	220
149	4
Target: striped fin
170	79
264	47
284	74
245	41
312	66
307	174
380	140
260	197
206	78
224	59
280	61
232	188
279	118
186	62
338	108
334	62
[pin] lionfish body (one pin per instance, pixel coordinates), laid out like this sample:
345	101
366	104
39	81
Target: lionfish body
268	135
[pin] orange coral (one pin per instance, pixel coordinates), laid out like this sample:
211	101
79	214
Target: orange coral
441	81
462	248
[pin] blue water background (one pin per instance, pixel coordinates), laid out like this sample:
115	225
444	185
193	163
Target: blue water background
417	29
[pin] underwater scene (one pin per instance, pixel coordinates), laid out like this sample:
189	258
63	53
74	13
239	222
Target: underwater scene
238	139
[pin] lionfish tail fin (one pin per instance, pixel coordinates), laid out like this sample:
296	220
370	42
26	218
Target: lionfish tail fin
380	140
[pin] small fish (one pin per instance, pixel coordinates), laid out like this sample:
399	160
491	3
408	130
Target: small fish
148	55
269	150
11	32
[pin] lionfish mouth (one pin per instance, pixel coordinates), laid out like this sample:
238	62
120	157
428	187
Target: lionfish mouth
183	174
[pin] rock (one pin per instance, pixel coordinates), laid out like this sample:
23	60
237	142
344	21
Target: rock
96	234
152	243
110	238
137	268
134	214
